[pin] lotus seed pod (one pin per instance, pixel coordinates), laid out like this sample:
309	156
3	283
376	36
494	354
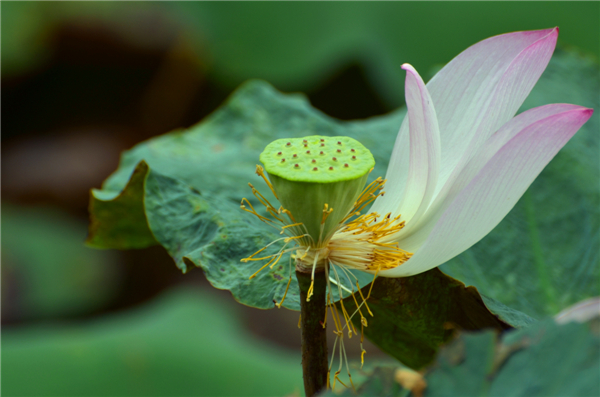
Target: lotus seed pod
308	173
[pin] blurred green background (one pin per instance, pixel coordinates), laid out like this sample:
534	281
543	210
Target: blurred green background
83	81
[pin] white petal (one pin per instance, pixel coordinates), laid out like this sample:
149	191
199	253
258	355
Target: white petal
495	189
463	174
424	162
483	87
474	94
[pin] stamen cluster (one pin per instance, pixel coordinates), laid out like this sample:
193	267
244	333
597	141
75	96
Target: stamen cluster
363	242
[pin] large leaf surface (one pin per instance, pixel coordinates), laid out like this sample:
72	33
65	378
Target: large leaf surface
414	316
540	259
163	178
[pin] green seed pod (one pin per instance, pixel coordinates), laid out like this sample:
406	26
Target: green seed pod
318	173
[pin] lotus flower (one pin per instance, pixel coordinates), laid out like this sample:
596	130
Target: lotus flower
461	161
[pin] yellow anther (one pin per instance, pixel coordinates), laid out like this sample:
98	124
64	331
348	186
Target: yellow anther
326	212
288	239
288	213
260	171
310	290
273	261
292	225
284	294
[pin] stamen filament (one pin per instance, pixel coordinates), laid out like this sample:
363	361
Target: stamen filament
260	172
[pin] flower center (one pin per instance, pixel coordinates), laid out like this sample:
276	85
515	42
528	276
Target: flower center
362	242
367	244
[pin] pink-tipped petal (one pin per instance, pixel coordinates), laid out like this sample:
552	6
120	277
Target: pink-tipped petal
494	190
424	161
484	86
509	93
474	94
464	173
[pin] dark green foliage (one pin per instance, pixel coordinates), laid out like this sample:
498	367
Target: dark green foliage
544	360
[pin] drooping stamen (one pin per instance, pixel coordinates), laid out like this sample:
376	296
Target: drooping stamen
363	298
287	287
312	277
365	243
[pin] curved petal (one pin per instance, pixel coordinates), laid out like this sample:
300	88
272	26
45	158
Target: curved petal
463	174
495	189
424	161
475	93
484	86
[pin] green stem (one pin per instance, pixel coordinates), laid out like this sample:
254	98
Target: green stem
314	337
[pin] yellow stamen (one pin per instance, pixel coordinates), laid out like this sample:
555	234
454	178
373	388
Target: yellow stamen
268	263
260	171
310	290
284	294
326	212
364	300
336	377
253	211
288	213
362	318
265	202
371	287
288	239
292	225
